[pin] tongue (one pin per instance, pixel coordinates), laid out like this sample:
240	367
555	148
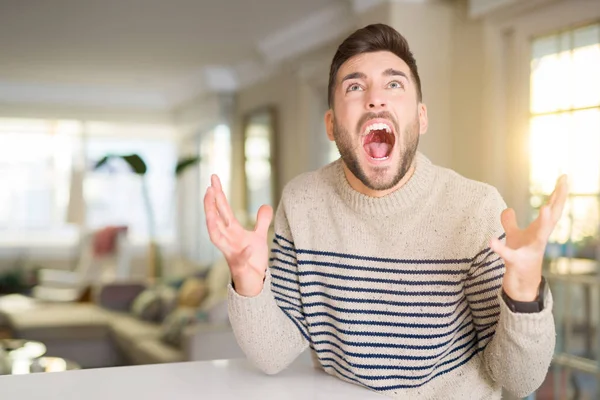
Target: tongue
377	150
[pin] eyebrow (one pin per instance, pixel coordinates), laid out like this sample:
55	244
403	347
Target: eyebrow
387	72
394	72
354	75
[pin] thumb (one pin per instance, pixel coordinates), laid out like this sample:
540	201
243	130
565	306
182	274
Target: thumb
505	252
509	221
263	220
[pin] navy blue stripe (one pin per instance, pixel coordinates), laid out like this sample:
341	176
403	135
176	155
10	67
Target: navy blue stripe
386	323
487	248
487	290
383	345
483	326
377	312
482	282
282	269
382	270
283	246
287	302
277	236
482	315
482	262
279	251
496	268
466	360
383	302
295	291
397	356
346	376
299	325
382	291
395	387
486	300
396	335
388	260
377	280
383	260
489	335
396	367
492	307
281	278
273	259
408	377
277	292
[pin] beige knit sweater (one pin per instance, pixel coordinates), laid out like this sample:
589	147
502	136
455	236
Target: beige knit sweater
398	294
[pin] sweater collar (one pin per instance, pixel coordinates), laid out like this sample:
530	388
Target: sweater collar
413	190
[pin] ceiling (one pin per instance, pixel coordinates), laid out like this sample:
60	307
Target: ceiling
150	53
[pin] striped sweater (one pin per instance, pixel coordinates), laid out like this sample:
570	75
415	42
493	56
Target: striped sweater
398	294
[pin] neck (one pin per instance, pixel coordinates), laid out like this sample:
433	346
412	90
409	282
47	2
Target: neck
360	187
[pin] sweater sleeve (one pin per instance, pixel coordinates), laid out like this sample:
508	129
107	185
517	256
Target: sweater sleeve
517	348
271	328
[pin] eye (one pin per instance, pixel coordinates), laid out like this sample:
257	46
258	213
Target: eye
395	85
354	87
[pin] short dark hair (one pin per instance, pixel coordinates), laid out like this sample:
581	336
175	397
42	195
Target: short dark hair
372	38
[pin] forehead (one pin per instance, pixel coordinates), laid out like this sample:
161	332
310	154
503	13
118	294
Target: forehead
373	64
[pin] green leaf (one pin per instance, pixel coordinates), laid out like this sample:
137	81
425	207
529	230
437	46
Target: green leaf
184	163
135	162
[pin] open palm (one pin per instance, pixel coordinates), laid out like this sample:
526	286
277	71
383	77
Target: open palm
246	252
523	251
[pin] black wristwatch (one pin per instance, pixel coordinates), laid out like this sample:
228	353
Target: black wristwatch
527	307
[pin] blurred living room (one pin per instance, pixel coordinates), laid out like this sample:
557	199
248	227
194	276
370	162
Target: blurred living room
114	115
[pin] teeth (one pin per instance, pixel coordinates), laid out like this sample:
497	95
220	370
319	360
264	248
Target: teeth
378	126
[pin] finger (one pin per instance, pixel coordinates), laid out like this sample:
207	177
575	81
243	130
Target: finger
505	252
212	220
546	225
221	201
263	220
216	182
509	221
560	198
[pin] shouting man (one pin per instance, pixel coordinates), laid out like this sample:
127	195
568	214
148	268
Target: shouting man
399	275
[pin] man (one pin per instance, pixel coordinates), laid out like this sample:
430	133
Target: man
400	275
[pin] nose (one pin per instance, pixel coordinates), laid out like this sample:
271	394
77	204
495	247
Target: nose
376	100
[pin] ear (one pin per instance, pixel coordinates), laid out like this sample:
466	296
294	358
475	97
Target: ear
423	121
329	124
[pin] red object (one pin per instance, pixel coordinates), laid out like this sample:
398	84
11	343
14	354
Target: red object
105	240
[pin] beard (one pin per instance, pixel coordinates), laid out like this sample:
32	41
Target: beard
407	142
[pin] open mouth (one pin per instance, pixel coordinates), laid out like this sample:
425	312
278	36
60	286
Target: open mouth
378	141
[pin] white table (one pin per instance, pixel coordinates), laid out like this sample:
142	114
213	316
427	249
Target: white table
222	379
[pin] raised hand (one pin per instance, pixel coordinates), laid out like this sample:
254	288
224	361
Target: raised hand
523	251
246	252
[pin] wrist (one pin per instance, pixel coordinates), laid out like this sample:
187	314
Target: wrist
247	289
519	290
535	306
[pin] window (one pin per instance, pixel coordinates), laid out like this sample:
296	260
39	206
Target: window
38	159
259	145
215	158
116	198
35	172
565	132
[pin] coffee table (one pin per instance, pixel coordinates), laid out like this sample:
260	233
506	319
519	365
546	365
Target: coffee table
43	364
22	348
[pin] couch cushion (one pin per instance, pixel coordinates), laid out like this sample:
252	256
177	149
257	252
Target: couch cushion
147	305
192	292
152	351
60	321
127	330
173	326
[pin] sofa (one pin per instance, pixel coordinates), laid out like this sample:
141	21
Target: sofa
105	332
